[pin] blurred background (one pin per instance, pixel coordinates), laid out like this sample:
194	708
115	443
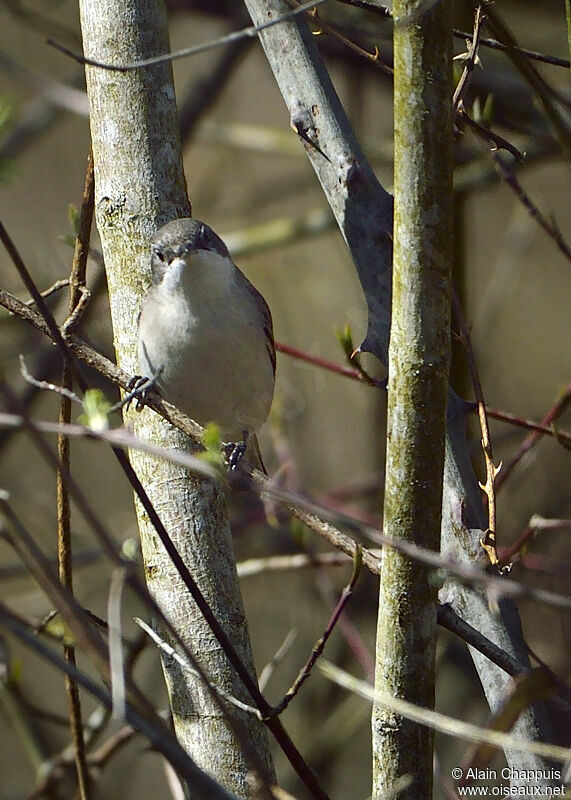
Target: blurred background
249	178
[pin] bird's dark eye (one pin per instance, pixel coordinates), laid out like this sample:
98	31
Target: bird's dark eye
204	238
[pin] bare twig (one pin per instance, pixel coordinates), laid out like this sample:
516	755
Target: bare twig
55	287
172	653
324	27
353	374
554	412
493	44
497	141
470	59
318	647
318	361
155	732
65	564
48	318
527	424
258	566
528	71
276	659
441	722
509	177
117	437
46	385
489	540
116	665
235	36
536	523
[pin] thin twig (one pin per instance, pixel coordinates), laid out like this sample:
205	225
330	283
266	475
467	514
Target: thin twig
116	659
509	177
65	563
55	287
493	44
324	27
276	659
353	374
497	141
527	424
470	59
229	38
46	314
441	722
554	412
319	645
530	74
46	385
259	566
117	437
536	523
318	361
182	662
489	540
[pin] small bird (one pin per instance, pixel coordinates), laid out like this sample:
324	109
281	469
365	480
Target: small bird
206	333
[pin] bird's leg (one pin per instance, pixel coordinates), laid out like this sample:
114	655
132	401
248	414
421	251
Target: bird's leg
234	451
138	387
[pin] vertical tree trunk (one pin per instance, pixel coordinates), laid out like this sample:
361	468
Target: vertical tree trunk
140	185
418	384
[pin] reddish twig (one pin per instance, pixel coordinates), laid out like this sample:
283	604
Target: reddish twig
527	424
509	177
318	647
536	523
555	411
318	361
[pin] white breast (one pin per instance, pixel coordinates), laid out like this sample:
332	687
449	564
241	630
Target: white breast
202	327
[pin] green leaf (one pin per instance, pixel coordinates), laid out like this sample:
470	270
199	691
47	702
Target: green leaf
212	444
95	410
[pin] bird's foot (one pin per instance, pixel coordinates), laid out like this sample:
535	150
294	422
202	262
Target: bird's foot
139	386
234	452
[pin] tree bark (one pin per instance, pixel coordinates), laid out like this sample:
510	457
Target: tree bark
140	185
363	210
419	355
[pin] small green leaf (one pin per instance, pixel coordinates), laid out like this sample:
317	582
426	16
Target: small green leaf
57	628
298	532
488	110
73	217
16	671
95	410
212	444
345	338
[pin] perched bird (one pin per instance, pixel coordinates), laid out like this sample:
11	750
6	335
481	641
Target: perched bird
206	333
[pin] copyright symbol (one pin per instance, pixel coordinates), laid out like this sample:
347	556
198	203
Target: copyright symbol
456	773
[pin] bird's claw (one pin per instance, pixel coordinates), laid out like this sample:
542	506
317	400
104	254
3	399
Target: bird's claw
138	387
234	452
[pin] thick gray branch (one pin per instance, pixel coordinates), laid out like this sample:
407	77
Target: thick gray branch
419	356
363	210
140	185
